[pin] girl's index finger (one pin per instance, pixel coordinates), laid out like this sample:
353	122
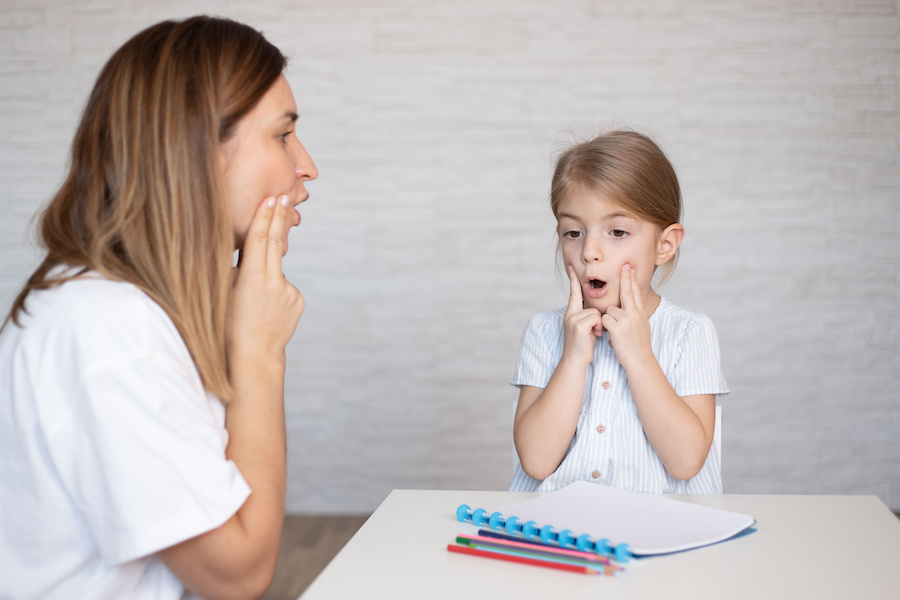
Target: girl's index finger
576	299
636	291
626	288
257	240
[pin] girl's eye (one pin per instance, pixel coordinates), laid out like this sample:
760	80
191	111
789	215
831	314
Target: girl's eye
572	235
618	233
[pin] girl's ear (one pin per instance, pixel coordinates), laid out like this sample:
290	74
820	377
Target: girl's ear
668	243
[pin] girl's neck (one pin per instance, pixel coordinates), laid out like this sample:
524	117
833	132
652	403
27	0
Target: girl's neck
651	302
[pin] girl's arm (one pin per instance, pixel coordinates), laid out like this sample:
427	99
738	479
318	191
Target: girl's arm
237	560
546	419
680	429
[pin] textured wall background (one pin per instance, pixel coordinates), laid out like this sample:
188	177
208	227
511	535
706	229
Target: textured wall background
428	242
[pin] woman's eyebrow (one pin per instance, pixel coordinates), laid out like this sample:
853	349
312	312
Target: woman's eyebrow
290	115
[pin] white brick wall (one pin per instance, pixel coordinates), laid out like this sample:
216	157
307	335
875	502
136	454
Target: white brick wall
427	242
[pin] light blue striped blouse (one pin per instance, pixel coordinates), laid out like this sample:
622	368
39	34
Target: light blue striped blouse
618	454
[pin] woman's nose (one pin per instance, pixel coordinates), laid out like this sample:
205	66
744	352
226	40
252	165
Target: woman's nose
304	168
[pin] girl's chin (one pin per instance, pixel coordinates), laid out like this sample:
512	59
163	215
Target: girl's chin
601	306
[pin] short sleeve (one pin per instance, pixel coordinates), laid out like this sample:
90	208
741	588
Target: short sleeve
539	350
140	445
698	369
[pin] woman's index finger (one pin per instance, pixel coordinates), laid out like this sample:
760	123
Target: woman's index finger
257	240
276	246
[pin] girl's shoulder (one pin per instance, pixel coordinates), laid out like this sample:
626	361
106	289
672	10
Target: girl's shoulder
550	320
676	319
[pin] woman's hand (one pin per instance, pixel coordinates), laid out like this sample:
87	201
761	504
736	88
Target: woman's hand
629	325
265	307
581	326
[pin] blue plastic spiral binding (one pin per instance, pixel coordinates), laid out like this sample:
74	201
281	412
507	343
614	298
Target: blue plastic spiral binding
512	526
462	513
530	530
546	534
565	539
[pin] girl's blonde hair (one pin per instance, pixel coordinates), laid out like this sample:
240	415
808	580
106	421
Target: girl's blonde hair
631	170
144	201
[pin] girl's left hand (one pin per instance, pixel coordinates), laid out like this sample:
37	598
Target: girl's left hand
628	325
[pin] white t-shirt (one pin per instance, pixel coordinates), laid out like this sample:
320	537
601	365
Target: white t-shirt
110	448
610	446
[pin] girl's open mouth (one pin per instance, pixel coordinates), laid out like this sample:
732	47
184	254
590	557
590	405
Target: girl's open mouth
596	288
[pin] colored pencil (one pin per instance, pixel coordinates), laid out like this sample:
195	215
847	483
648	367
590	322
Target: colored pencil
576	562
522	560
539	549
512	538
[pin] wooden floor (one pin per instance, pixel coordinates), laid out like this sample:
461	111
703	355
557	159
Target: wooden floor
308	544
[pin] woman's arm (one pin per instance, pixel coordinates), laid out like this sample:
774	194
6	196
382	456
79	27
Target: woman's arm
237	560
680	429
546	419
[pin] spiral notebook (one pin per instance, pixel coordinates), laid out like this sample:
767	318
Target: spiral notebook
609	518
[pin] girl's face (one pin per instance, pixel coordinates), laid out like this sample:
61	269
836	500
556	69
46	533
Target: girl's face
264	158
599	236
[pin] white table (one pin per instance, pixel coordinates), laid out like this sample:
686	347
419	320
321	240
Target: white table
842	547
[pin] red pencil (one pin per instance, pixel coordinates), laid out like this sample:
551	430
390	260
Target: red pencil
521	560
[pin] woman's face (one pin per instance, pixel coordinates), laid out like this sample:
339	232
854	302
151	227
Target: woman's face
264	158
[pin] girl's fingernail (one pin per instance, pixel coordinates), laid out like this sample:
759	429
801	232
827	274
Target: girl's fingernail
271	202
285	201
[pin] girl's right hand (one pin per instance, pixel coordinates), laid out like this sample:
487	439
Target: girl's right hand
265	307
581	326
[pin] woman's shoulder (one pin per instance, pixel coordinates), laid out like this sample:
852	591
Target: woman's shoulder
93	298
91	313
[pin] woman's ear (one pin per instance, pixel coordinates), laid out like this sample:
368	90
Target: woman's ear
669	241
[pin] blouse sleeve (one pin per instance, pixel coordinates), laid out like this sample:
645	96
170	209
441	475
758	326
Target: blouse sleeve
539	351
699	367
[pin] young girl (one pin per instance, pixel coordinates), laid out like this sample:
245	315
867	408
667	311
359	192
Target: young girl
142	437
618	388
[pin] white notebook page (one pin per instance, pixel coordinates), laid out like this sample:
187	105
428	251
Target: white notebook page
649	524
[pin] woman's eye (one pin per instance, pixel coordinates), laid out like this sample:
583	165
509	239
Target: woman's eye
618	233
284	135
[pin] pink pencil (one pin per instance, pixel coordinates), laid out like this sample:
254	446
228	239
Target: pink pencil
522	560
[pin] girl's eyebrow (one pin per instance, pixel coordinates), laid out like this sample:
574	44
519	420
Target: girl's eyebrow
620	215
615	215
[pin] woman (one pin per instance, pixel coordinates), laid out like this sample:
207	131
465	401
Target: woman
142	439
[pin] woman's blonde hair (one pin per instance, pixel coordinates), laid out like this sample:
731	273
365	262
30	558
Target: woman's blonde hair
144	200
631	170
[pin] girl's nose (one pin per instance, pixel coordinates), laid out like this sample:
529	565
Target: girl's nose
592	250
304	168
